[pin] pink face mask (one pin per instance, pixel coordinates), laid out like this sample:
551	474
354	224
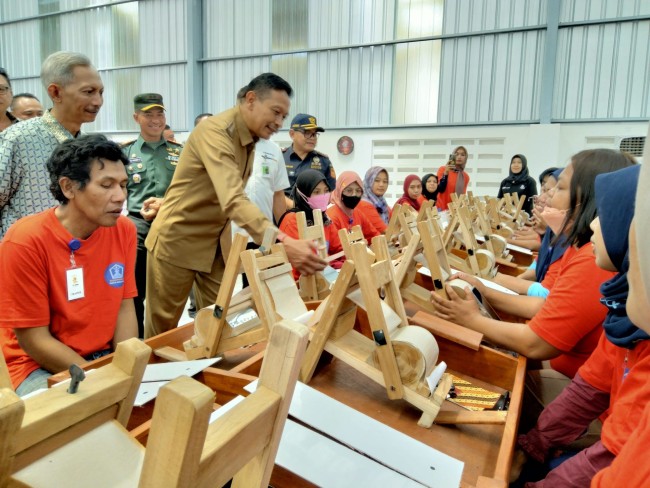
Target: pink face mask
554	218
316	202
319	202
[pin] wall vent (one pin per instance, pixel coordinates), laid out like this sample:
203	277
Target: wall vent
633	145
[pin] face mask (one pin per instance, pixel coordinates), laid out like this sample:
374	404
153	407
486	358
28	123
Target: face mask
319	202
554	218
350	202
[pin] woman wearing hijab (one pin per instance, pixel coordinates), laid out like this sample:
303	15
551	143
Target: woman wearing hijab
538	279
452	177
605	383
373	204
520	182
429	188
630	468
345	213
308	194
412	192
567	325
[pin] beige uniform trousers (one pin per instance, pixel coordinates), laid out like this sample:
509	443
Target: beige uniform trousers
168	287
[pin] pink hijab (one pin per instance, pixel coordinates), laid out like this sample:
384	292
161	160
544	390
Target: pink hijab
344	180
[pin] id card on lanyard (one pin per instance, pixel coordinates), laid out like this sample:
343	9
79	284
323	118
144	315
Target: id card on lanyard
74	275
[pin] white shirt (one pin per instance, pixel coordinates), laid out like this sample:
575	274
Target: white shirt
268	176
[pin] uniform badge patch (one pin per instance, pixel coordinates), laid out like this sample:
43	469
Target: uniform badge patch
114	275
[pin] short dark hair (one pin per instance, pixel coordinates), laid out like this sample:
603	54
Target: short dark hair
27	95
263	84
167	127
582	192
4	73
198	118
23	95
74	157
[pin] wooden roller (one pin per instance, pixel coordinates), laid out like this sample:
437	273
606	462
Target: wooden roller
504	230
416	352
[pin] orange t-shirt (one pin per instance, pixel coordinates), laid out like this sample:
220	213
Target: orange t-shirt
630	467
289	226
342	221
369	210
442	202
422	199
624	374
572	316
34	257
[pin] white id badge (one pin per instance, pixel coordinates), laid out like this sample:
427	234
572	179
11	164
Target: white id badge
74	278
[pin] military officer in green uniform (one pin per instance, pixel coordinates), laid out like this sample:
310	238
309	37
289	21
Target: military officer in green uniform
302	154
152	161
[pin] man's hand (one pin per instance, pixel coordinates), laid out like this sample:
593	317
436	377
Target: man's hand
150	208
302	255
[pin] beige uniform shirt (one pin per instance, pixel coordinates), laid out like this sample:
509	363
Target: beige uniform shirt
206	193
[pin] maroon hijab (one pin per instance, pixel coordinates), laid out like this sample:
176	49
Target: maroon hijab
406	199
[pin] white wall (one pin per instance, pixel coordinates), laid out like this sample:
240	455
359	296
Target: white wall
543	145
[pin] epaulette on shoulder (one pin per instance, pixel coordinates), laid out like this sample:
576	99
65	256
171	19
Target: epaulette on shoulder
127	143
284	149
174	143
321	154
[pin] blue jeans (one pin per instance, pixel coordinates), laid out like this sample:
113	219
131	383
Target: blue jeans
36	380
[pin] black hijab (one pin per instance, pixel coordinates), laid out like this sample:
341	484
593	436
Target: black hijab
306	181
522	176
615	194
427	194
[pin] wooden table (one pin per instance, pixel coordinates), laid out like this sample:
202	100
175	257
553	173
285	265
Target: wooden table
486	450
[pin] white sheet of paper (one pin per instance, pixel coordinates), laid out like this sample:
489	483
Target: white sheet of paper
148	391
388	446
512	247
326	462
172	370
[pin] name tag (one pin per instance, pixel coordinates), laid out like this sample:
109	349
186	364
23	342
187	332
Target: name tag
74	278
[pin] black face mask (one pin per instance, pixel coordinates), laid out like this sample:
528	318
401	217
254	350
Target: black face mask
350	202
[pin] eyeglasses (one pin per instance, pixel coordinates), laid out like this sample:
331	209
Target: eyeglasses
352	192
310	135
4	89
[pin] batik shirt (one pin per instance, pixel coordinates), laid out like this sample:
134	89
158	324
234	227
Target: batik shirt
24	179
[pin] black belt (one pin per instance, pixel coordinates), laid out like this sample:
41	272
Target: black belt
97	354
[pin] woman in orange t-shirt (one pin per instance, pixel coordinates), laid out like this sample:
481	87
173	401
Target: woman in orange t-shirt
311	193
373	204
567	327
345	213
613	381
629	468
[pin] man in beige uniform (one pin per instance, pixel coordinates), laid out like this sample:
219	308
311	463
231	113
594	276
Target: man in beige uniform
189	241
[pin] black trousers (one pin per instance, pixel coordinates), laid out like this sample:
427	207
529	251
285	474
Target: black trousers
140	269
244	279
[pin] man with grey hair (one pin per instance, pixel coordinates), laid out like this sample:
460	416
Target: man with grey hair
76	90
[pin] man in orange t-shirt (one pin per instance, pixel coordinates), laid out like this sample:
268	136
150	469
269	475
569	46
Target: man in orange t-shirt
67	287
